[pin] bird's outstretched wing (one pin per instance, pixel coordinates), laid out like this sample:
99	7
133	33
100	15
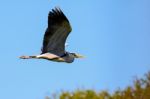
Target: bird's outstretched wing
56	33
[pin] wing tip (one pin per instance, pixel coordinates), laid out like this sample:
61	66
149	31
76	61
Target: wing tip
56	12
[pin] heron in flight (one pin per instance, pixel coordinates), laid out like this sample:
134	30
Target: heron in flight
54	39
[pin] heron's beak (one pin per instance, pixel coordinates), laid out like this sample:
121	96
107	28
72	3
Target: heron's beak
79	56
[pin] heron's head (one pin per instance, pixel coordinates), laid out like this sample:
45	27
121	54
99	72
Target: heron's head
77	55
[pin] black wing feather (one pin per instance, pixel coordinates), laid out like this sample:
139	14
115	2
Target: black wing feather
56	33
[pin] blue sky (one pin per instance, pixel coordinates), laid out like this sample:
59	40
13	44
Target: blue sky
112	34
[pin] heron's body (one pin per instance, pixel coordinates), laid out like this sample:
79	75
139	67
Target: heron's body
49	56
54	39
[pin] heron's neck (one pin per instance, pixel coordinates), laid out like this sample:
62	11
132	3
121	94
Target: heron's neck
65	54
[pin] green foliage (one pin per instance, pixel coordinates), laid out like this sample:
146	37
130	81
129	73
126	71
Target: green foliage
139	90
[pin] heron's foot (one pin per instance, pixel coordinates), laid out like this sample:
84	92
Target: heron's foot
24	57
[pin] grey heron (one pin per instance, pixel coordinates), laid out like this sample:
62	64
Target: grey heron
54	39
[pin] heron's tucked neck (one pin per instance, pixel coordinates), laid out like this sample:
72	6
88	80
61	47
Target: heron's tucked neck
65	54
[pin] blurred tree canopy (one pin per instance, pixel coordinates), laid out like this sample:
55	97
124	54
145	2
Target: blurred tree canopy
139	90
